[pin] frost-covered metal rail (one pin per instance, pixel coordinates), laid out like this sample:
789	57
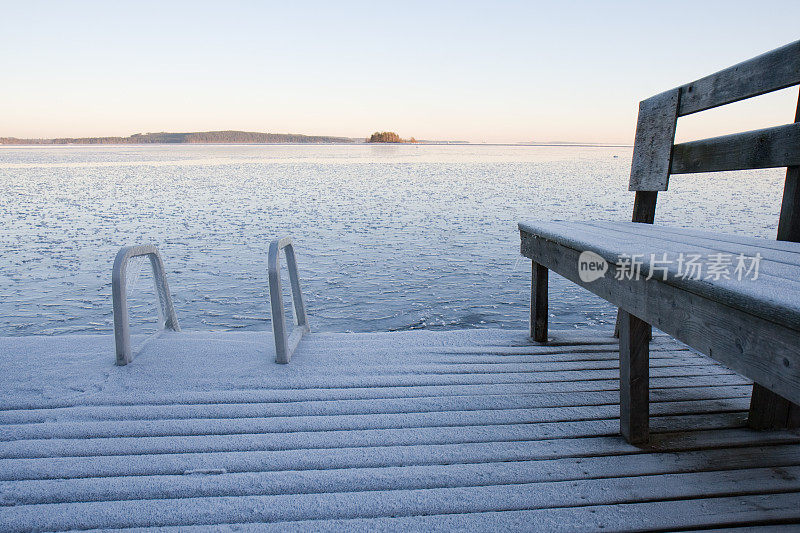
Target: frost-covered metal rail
167	317
285	343
461	430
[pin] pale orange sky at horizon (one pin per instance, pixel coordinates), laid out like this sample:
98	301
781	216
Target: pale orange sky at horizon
509	72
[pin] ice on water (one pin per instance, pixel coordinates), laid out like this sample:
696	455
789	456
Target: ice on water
388	237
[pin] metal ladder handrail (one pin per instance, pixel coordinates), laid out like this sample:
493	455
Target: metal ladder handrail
285	344
122	334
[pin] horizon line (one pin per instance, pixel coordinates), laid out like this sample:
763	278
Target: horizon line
21	141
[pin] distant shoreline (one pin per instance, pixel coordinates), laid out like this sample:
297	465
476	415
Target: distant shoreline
236	137
350	143
196	137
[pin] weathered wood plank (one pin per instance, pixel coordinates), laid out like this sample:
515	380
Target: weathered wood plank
652	150
379	392
721	242
766	148
789	223
773	70
331	438
785	251
761	349
634	378
644	207
767	409
263	480
382	503
513	399
539	307
778	513
340	458
483	415
644	211
778	270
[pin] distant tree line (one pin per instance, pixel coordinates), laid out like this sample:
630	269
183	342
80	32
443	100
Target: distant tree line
244	137
388	137
76	140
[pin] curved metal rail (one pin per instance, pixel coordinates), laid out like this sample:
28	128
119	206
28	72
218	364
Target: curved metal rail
285	344
122	334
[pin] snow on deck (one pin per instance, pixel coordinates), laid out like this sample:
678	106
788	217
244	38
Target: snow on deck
477	429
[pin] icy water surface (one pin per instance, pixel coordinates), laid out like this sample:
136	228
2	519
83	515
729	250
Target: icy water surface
388	237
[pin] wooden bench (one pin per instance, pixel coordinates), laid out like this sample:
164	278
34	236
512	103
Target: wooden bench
751	325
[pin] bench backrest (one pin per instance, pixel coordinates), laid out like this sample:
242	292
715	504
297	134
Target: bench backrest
655	156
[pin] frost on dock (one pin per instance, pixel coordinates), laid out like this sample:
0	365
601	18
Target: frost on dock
415	430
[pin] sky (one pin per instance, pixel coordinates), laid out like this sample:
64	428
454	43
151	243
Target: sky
488	71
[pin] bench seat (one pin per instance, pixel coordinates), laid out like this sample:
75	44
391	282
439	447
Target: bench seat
751	325
774	295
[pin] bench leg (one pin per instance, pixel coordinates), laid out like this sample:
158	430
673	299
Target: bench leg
616	327
634	378
644	211
771	411
538	325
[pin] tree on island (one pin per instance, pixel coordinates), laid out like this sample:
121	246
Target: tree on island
388	137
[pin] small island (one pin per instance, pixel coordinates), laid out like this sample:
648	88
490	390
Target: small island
388	137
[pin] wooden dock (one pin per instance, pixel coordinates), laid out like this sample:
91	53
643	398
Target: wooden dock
476	430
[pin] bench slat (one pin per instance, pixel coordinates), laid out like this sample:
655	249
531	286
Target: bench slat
782	263
792	253
777	69
655	133
766	148
611	240
773	278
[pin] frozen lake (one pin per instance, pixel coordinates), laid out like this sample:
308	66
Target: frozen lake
389	237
